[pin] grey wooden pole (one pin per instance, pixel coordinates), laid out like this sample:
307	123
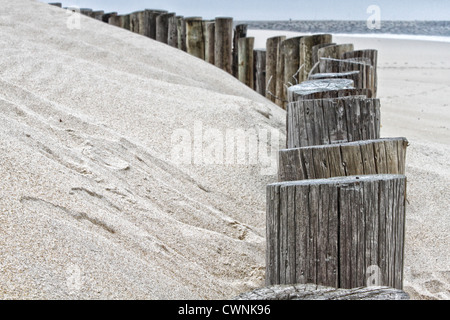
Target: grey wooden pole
223	43
335	51
245	60
344	232
372	56
260	71
134	22
98	15
181	32
306	58
209	31
173	32
115	20
272	53
106	16
162	27
125	21
315	50
151	16
291	51
195	43
280	91
86	11
328	121
367	157
240	31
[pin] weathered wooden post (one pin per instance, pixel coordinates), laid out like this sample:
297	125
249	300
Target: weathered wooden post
125	21
134	22
195	42
272	53
240	31
162	27
328	121
335	51
56	4
115	20
172	32
281	87
259	57
86	11
291	51
372	56
181	33
367	157
98	15
306	58
245	61
344	232
106	16
209	31
151	16
315	50
223	43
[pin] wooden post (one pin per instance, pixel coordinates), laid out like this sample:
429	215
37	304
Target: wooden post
337	232
162	27
367	157
86	11
56	4
106	16
173	31
328	121
259	57
306	58
245	60
367	71
280	92
98	15
195	43
297	92
291	51
335	51
181	32
315	50
209	31
272	53
115	20
223	44
134	22
240	31
151	16
372	56
125	21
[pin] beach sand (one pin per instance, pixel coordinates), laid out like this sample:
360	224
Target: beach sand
93	205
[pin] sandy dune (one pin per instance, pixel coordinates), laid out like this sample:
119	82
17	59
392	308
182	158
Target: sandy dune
93	205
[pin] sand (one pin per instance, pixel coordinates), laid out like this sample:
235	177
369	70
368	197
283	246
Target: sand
94	205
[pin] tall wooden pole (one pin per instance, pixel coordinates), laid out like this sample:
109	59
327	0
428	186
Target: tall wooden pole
195	43
240	31
245	60
209	31
272	54
223	43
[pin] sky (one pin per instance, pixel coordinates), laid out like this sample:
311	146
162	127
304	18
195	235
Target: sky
279	9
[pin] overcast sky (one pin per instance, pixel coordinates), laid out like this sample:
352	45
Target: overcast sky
280	9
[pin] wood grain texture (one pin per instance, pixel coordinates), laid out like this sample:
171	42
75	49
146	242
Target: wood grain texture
306	56
328	121
272	53
245	59
338	232
223	53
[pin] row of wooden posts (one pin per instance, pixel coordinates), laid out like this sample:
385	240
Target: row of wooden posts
336	216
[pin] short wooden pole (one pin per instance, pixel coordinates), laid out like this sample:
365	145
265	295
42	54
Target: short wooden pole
367	157
306	58
134	22
209	31
260	71
345	232
162	27
106	16
315	50
125	21
181	33
151	16
245	61
223	43
173	31
115	20
98	15
291	51
372	56
335	51
328	121
281	87
272	53
195	42
240	31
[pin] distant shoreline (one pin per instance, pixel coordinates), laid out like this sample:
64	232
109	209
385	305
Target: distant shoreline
416	28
